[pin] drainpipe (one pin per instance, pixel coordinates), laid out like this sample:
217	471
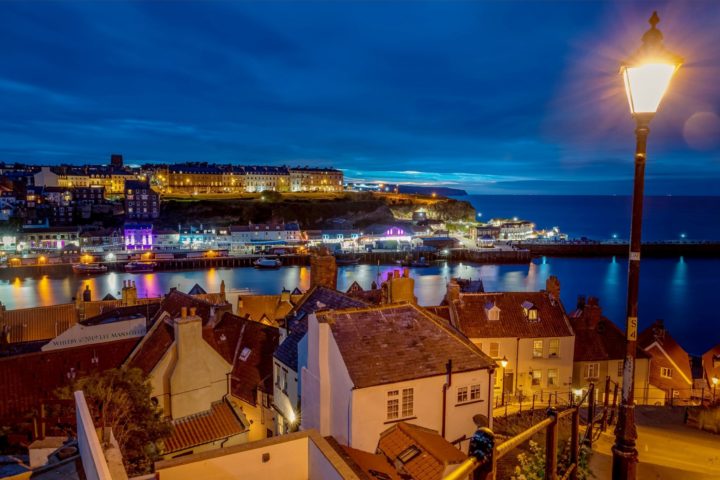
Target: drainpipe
490	398
446	387
517	363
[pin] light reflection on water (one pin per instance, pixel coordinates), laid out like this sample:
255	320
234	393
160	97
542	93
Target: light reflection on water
681	291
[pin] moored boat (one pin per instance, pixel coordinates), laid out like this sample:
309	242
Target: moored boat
89	268
140	267
346	261
264	262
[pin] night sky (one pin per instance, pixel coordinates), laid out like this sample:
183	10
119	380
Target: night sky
497	97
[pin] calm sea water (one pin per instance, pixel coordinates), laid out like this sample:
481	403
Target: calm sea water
680	291
601	217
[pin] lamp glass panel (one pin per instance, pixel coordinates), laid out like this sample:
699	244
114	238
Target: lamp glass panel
646	85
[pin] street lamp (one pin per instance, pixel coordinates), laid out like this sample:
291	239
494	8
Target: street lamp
503	364
647	76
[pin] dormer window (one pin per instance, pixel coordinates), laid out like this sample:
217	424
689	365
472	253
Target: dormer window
492	311
530	310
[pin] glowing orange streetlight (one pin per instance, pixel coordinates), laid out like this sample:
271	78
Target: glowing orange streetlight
647	74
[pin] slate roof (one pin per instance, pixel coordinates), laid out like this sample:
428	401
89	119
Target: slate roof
316	299
400	342
26	380
472	319
265	307
434	453
219	422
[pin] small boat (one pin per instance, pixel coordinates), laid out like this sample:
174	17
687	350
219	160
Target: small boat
89	268
264	262
346	261
140	267
420	262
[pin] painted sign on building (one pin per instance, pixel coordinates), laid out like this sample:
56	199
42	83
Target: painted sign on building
87	335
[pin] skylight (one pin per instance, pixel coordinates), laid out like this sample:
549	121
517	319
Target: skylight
245	354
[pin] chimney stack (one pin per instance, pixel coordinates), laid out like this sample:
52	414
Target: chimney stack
552	286
323	271
592	312
453	291
399	288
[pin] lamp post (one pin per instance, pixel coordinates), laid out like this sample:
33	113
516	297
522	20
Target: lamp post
503	364
647	75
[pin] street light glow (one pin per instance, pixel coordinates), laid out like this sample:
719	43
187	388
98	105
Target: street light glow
647	73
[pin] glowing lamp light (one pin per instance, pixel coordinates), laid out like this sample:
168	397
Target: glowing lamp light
292	418
504	362
715	381
647	74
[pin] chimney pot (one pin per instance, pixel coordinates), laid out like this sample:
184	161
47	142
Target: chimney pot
183	312
192	311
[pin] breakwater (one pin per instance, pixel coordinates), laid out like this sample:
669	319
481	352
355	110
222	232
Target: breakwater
619	249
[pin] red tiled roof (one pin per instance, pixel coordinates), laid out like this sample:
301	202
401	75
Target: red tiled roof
472	319
399	342
27	380
370	464
656	333
596	337
254	370
217	423
434	452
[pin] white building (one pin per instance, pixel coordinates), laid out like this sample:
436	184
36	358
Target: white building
371	367
530	330
248	238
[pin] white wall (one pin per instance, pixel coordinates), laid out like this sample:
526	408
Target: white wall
369	414
91	452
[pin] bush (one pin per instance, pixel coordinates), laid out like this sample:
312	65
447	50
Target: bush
532	464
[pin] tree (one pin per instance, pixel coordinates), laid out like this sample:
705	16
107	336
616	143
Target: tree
120	399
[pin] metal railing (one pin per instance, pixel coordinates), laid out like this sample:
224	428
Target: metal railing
485	454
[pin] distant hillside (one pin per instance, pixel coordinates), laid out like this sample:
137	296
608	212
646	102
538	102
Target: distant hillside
422	190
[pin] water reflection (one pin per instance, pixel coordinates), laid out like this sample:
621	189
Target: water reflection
668	288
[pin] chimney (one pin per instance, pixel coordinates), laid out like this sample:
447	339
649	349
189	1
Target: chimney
323	271
285	295
222	290
87	294
399	288
191	378
453	291
552	286
592	312
580	302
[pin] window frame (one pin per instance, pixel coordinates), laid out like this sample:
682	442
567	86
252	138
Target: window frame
553	348
535	349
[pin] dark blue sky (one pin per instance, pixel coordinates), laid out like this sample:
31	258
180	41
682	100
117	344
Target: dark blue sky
497	97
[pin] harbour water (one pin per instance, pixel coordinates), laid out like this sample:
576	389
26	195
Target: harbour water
680	291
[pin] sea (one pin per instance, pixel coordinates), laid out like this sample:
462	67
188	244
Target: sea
681	291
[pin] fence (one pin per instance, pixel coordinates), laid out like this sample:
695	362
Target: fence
484	454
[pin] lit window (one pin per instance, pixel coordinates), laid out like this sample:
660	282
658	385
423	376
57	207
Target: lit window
245	353
553	377
474	392
537	348
532	314
536	378
554	347
592	370
666	372
407	402
494	350
393	405
462	394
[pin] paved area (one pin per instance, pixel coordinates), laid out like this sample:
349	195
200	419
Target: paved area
668	449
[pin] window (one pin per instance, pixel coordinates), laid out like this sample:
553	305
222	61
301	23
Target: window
592	370
462	394
408	454
532	314
554	347
666	372
474	392
537	348
407	402
620	369
536	378
393	405
553	377
494	350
